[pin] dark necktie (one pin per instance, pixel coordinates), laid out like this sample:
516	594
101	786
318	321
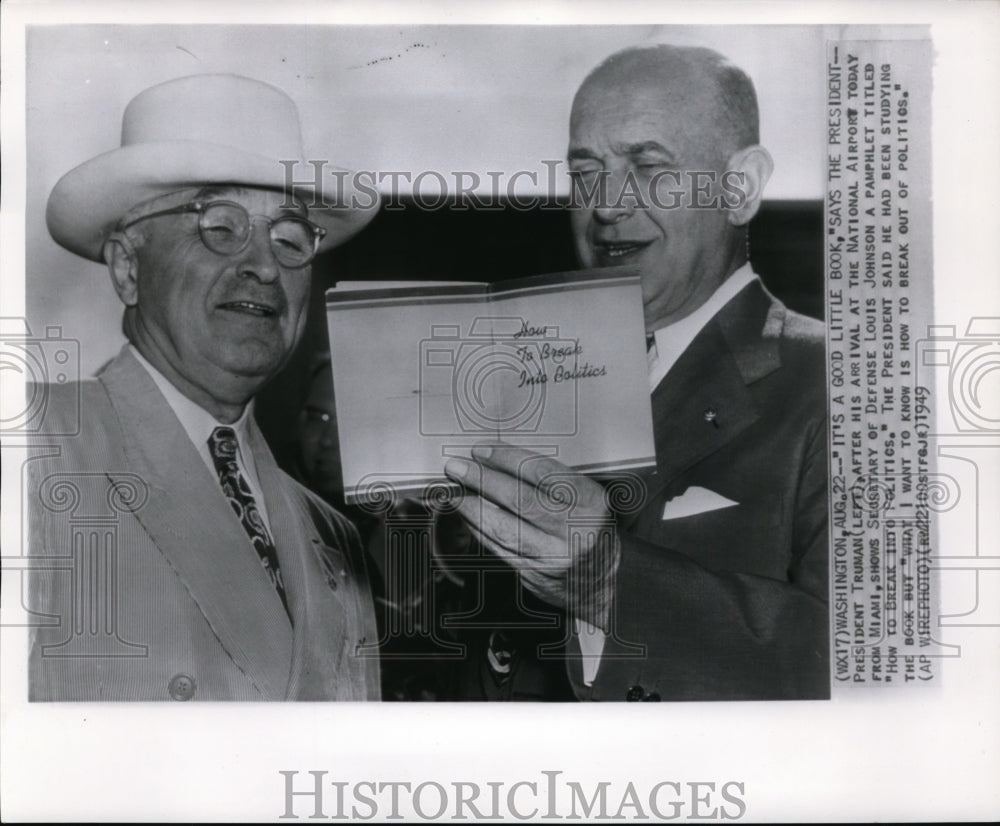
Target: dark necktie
223	446
652	356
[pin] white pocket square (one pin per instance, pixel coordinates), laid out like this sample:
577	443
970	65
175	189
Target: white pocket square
693	501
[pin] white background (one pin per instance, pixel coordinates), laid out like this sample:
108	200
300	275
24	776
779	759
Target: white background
924	754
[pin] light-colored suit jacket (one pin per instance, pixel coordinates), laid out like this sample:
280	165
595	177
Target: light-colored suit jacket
146	586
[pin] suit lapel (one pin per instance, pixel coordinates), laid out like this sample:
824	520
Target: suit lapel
194	527
704	402
321	621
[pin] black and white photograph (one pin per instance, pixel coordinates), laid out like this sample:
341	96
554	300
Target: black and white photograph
384	392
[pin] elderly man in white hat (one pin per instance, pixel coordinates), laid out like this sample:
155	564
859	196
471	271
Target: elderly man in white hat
182	563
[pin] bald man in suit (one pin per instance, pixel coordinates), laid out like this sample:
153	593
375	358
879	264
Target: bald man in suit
715	586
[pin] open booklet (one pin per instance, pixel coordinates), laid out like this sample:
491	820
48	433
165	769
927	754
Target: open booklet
423	371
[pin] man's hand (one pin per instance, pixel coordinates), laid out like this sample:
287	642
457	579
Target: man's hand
550	523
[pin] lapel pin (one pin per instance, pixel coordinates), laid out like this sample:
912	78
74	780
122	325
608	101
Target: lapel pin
711	417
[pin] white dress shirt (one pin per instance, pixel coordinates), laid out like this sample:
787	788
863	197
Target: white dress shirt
671	341
669	344
198	423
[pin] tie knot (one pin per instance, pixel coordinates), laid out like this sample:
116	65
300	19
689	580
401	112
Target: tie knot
650	340
222	443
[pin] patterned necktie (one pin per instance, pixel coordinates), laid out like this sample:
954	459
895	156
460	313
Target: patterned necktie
223	446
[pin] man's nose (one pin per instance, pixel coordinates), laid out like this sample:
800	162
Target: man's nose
616	200
258	258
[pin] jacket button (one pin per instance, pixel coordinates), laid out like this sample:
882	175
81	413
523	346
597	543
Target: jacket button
181	687
635	694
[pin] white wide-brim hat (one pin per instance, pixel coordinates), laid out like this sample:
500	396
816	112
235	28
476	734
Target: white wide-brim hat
197	131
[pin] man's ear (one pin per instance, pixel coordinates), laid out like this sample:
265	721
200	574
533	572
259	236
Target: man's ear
743	185
123	264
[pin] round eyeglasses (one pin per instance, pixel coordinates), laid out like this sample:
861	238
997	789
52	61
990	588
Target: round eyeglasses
224	227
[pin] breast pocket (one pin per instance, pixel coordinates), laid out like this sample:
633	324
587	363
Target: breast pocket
752	537
348	588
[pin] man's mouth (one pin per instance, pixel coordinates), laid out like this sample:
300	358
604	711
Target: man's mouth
254	308
618	251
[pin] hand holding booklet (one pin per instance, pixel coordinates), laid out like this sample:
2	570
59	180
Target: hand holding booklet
422	372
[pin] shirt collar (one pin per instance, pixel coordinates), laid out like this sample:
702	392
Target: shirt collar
197	422
674	339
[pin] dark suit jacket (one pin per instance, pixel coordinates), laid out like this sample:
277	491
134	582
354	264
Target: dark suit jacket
731	603
153	590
